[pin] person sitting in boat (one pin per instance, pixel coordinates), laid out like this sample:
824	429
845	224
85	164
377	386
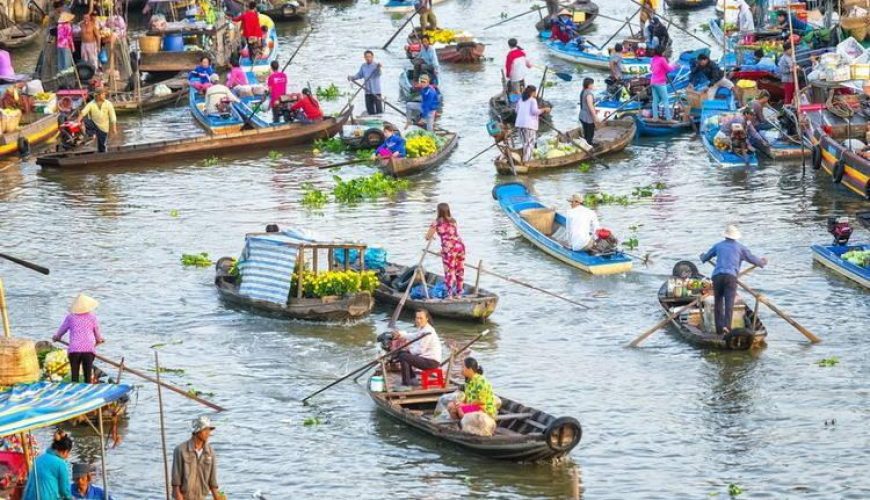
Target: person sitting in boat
15	98
764	62
581	223
308	106
218	100
393	145
477	393
706	70
758	105
426	109
237	81
656	34
562	27
730	254
424	354
201	76
799	27
742	121
82	479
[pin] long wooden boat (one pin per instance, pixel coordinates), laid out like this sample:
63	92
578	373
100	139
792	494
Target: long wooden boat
348	308
522	434
146	99
584	12
363	132
711	111
647	127
514	198
404	6
456	52
229	123
611	137
689	4
783	149
747	331
19	35
831	256
594	58
474	305
42	128
246	140
402	167
845	166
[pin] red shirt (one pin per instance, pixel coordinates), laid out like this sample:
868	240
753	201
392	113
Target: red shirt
310	107
513	55
250	24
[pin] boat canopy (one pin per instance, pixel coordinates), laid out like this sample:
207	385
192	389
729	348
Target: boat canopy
26	407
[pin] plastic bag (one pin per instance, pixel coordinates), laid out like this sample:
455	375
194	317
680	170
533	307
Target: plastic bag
478	423
441	414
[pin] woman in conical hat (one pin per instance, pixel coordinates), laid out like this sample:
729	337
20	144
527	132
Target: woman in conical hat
84	336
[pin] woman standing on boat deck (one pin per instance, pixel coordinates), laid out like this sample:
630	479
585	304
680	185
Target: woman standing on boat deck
84	336
527	120
452	250
588	113
658	82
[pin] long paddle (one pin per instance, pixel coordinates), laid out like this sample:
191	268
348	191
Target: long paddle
161	383
788	319
349	162
521	283
247	124
533	9
363	368
417	269
643	336
624	24
671	22
591	151
407	21
394	108
28	265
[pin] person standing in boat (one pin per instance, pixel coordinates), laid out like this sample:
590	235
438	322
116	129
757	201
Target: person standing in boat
706	70
729	254
194	465
526	123
785	68
424	354
581	223
90	41
452	250
84	336
252	33
370	73
277	83
516	66
65	44
647	12
658	82
429	56
100	118
616	65
588	113
428	21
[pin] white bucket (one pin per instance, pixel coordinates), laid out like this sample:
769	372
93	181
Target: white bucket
376	384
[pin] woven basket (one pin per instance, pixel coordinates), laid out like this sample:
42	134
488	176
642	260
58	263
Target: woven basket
856	26
540	218
18	362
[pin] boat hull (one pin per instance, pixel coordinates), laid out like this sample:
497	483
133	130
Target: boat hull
845	167
403	167
830	257
647	128
689	4
38	132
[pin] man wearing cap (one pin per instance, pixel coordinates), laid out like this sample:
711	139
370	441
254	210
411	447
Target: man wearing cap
427	106
581	224
99	116
729	254
194	465
82	475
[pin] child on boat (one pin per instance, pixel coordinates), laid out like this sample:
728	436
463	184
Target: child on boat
393	145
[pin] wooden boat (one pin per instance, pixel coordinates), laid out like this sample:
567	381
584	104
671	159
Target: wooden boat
286	10
404	6
222	40
146	99
783	149
831	256
475	304
523	433
711	111
611	137
846	167
348	308
594	58
515	199
470	51
363	132
246	140
503	111
747	331
19	35
262	65
689	4
584	13
402	167
33	129
647	127
227	123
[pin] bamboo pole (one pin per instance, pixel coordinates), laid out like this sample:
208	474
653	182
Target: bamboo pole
103	453
4	311
162	427
477	278
796	97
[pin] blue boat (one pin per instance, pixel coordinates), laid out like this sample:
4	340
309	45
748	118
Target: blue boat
646	127
830	256
592	57
258	71
225	123
514	199
711	111
404	6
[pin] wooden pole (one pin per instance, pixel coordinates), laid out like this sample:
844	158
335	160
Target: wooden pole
477	277
162	427
575	483
120	370
797	91
103	454
643	336
399	307
411	17
422	275
788	319
300	261
7	332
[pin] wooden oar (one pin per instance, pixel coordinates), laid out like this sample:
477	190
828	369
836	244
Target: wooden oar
247	123
464	348
349	162
643	336
624	24
161	383
788	319
394	108
466	162
533	9
671	22
416	11
521	283
591	151
419	268
28	265
363	368
360	89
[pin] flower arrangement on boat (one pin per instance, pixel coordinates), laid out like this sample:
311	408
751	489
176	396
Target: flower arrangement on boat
334	283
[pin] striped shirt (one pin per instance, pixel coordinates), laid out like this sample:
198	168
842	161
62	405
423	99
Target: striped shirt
84	332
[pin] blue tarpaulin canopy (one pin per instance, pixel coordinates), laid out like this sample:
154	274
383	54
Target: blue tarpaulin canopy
31	406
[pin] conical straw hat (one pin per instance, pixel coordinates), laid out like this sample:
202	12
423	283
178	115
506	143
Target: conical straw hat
83	304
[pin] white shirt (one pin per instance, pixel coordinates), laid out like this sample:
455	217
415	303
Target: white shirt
581	225
519	69
745	22
429	347
527	114
214	95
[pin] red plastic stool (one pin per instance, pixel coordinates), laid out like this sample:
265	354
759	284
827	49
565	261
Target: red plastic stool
426	378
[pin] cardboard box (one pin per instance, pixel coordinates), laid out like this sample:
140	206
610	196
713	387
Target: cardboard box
695	98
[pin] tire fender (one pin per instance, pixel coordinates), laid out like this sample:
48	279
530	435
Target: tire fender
23	147
372	138
563	434
817	156
839	170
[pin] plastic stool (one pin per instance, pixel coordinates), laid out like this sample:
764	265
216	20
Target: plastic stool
427	381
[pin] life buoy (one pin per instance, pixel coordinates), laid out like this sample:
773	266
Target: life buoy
739	340
684	269
839	170
23	147
817	156
563	434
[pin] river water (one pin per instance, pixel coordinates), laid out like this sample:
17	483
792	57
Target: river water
665	420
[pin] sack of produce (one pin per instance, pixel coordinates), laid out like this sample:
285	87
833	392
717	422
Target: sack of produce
162	90
478	423
56	365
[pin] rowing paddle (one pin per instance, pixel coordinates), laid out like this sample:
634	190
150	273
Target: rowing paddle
418	269
247	125
394	108
349	162
28	265
533	9
407	21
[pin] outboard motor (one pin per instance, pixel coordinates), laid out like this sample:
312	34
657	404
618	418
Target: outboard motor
840	229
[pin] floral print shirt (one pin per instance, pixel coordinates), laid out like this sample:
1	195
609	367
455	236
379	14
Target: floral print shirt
478	390
449	234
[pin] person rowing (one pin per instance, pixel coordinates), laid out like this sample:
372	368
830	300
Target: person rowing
424	354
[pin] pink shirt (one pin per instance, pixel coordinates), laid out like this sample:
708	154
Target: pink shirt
237	77
64	36
84	332
660	68
277	84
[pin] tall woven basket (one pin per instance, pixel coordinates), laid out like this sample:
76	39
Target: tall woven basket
540	218
18	362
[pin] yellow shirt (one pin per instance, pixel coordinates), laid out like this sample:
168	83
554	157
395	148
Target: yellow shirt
102	115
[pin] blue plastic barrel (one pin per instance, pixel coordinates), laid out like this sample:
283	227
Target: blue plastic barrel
173	43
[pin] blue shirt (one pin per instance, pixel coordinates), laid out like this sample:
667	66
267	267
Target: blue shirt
729	255
53	478
201	74
93	493
371	74
430	57
396	144
429	102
